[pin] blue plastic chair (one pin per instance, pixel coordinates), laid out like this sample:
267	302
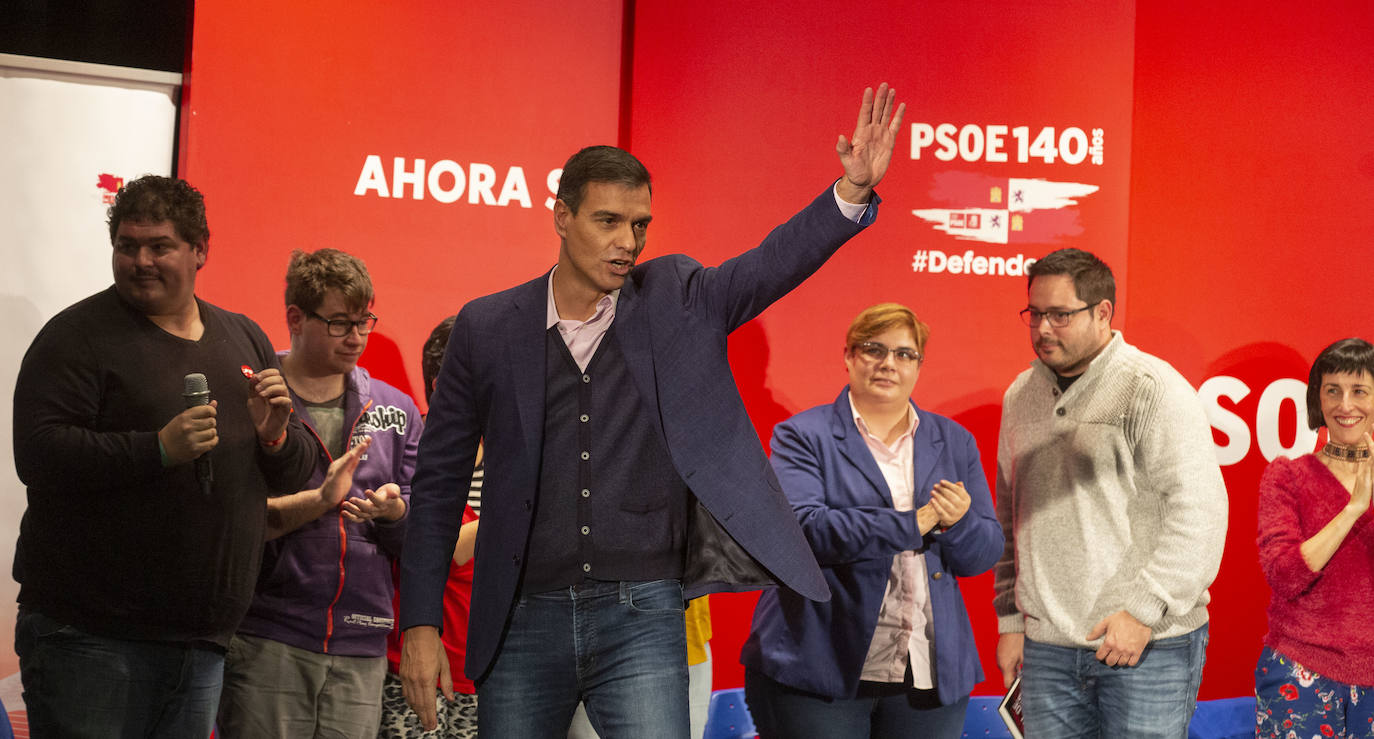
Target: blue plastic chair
1226	718
6	730
981	721
727	717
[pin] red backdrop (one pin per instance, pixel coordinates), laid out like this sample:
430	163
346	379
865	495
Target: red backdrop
1225	192
1249	145
279	134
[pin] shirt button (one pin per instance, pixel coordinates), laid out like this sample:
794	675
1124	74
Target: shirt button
586	493
1058	411
586	567
586	378
527	505
585	455
586	530
585	417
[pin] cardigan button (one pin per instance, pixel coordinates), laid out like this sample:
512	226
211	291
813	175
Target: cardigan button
938	575
1058	411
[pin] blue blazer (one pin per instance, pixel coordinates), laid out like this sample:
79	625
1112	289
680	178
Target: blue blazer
672	320
845	509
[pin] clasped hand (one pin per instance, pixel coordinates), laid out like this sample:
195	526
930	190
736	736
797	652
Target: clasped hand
949	501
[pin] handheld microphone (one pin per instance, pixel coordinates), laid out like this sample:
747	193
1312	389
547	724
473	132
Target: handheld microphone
196	391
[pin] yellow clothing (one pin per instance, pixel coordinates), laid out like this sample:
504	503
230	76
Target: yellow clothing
698	617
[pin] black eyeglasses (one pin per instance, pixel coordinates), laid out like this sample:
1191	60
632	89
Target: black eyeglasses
878	352
1058	318
340	327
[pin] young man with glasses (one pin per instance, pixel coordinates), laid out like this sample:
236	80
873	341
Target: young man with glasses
310	656
1114	513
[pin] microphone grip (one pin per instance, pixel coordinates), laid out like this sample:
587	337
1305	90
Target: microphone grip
205	474
197	392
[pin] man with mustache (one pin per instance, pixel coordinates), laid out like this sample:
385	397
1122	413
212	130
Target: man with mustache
134	565
1114	513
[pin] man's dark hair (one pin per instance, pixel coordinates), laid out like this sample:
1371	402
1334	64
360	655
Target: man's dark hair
434	353
310	276
600	164
1092	278
153	199
1355	356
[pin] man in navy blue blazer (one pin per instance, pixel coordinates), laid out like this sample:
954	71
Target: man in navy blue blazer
622	472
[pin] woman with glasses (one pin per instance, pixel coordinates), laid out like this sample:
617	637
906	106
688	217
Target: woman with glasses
1315	676
895	505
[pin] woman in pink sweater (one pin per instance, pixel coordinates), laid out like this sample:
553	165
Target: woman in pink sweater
1315	676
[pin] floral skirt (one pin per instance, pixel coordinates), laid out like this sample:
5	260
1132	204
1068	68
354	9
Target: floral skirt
1292	702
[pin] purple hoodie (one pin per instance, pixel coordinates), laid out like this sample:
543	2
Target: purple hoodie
326	587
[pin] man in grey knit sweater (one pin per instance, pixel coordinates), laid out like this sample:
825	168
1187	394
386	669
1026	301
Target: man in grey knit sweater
1114	512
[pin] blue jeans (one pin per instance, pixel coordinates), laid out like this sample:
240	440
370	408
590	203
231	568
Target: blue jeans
1066	692
893	711
619	647
81	685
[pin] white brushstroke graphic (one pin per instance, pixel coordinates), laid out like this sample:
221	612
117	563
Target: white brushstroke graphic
994	226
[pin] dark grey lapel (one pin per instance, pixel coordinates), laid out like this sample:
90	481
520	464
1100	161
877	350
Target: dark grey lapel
632	330
525	350
853	448
927	448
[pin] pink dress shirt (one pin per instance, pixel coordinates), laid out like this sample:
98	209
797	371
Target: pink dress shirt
582	337
905	626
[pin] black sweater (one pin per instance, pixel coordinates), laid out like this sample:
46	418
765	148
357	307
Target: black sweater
112	542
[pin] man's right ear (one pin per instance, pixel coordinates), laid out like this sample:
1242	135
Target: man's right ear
562	215
295	317
1109	313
